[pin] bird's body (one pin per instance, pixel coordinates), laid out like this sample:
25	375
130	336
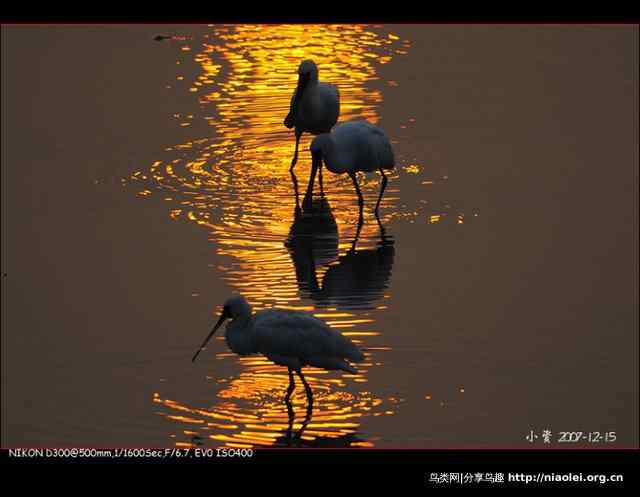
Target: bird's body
353	146
317	110
315	106
293	339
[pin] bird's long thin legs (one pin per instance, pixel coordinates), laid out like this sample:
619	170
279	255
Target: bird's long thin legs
306	420
382	188
355	238
308	196
383	231
287	401
360	199
295	154
291	415
292	386
294	179
320	178
307	388
289	436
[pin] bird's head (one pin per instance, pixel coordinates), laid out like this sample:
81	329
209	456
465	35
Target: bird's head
307	73
321	146
234	307
308	69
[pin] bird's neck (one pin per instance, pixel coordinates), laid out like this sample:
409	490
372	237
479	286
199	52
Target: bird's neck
239	335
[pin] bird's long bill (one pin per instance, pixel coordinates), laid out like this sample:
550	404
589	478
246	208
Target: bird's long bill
223	316
303	81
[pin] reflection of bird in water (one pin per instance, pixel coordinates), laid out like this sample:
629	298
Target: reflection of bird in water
288	338
351	147
294	439
356	279
315	106
359	277
291	438
319	442
312	240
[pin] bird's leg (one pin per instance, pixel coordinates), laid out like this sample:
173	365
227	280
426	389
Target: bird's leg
292	386
308	197
293	176
306	420
295	154
360	199
320	178
383	231
307	388
355	238
291	416
384	185
295	189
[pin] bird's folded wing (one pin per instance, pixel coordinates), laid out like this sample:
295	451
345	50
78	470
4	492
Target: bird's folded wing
293	334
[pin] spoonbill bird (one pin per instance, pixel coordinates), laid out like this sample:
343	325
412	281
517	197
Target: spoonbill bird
351	147
315	106
288	338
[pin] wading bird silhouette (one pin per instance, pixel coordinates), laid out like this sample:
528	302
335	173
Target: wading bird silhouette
353	146
314	108
293	339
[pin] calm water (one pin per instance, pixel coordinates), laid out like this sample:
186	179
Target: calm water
144	182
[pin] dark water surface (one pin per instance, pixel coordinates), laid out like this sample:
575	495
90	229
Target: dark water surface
143	182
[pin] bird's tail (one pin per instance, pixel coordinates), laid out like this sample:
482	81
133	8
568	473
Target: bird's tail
356	355
386	157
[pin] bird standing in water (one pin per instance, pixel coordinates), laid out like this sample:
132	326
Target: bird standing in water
352	147
293	339
315	106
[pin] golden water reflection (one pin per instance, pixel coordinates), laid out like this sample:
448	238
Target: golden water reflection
234	182
251	411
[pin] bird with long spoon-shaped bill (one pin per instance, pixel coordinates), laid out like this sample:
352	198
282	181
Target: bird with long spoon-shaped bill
315	106
289	338
353	146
